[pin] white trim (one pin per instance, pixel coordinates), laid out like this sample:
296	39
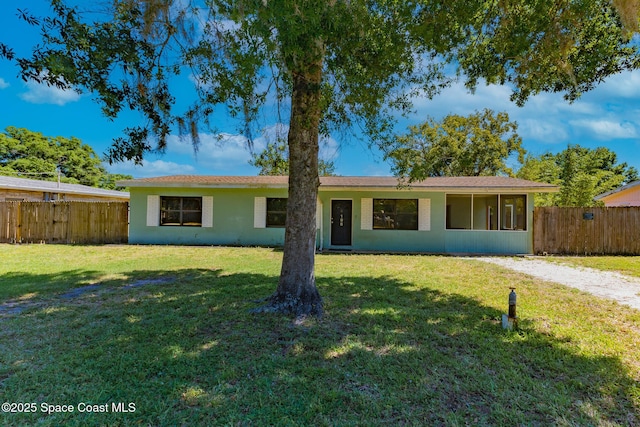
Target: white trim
153	211
260	212
319	225
366	214
207	211
424	214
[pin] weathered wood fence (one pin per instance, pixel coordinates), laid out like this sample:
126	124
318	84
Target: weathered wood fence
64	222
587	231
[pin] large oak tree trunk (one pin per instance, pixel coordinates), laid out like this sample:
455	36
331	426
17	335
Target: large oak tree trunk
297	293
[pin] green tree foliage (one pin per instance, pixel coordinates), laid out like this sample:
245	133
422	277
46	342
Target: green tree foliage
274	160
581	173
33	155
478	144
332	64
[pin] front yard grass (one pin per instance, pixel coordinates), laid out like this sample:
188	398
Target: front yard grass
622	264
406	340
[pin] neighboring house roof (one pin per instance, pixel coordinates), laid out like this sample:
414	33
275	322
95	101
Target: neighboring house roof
617	190
472	183
12	183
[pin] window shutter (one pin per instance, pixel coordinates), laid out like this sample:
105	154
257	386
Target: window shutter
207	211
260	212
366	214
424	214
318	215
153	211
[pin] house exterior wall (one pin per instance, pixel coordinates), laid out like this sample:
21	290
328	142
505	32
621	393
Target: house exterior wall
233	223
232	219
628	197
385	240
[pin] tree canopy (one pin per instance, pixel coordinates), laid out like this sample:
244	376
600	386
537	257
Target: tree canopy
581	173
337	63
478	144
274	160
33	155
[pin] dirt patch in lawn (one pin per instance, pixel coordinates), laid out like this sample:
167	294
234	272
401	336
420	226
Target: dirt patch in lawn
16	306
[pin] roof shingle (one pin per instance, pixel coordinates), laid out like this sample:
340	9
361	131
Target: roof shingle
372	182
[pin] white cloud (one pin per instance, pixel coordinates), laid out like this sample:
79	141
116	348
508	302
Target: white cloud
224	151
457	99
543	131
151	168
623	85
230	153
3	83
606	129
39	93
217	154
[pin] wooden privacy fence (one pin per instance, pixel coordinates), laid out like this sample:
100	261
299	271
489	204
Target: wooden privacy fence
587	231
64	222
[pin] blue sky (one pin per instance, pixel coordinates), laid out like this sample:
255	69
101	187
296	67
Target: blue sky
608	116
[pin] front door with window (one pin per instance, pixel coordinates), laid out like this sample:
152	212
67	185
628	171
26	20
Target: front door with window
341	222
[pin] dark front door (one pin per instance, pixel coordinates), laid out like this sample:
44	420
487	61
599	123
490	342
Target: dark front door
341	222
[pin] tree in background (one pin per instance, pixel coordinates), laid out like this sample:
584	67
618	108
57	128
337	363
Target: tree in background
335	64
33	155
478	144
581	173
274	160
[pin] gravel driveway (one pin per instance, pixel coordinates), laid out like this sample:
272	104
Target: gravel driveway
624	289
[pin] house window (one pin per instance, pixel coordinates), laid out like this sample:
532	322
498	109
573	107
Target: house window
276	211
514	212
486	212
458	212
395	214
185	211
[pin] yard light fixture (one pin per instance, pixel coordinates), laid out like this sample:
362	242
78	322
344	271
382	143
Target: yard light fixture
512	303
510	321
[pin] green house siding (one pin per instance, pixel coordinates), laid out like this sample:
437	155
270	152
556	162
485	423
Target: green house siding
233	222
233	211
385	240
488	242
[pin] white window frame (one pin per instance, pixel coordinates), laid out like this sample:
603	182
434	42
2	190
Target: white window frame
153	210
424	214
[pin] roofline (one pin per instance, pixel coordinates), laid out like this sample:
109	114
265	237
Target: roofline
617	190
456	189
543	188
137	184
66	189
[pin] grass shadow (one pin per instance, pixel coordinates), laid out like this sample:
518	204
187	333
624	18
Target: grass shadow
183	347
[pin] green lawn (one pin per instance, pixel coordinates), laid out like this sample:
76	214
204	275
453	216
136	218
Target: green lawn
406	340
621	264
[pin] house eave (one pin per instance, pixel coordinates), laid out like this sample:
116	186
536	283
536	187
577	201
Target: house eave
134	184
452	190
629	186
120	195
359	184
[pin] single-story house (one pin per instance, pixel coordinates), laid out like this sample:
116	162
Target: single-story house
627	195
31	190
437	215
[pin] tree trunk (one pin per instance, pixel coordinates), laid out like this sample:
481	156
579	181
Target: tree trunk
297	293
